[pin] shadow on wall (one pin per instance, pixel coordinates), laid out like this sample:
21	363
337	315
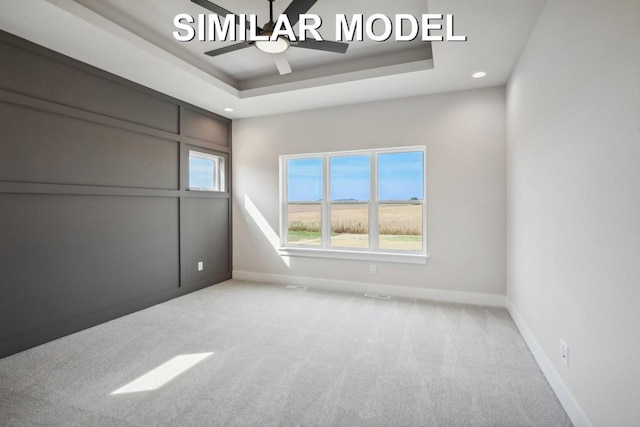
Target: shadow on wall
268	232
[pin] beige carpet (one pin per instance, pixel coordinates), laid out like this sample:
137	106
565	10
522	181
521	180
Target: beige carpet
284	357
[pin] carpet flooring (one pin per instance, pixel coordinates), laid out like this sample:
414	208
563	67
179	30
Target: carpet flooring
267	355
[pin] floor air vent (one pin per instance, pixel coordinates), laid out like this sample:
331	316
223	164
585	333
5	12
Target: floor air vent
377	296
295	287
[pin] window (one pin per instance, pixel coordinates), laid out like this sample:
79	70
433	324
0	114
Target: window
360	204
304	196
206	172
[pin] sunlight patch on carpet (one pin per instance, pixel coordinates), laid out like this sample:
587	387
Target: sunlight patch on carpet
164	373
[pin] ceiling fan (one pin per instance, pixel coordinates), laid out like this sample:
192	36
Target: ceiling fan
276	48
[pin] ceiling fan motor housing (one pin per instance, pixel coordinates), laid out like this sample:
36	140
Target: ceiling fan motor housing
275	47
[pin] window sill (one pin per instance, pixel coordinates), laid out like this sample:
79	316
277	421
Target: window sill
355	255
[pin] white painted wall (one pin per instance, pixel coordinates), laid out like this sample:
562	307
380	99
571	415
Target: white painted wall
464	133
574	200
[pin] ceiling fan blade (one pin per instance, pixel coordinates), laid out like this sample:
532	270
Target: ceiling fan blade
212	7
218	10
296	8
282	63
326	45
227	49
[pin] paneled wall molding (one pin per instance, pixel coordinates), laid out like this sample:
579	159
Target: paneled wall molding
55	57
204	144
97	217
52	107
71	189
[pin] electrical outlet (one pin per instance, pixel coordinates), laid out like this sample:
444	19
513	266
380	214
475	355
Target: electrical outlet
200	266
564	352
373	269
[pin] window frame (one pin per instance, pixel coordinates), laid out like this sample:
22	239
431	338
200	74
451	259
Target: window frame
219	177
373	253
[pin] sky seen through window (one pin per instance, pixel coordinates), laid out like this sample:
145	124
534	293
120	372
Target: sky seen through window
400	177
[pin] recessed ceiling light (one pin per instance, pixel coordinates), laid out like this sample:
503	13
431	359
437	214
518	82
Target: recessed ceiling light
478	75
229	110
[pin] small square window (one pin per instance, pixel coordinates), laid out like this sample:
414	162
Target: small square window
206	172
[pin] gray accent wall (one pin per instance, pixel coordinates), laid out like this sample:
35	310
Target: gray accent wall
96	219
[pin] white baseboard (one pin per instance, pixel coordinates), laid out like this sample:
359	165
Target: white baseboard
373	288
568	401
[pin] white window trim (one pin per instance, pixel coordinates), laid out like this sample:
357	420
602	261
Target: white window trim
326	251
219	167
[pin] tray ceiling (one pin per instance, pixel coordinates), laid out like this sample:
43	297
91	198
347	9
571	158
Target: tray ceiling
134	39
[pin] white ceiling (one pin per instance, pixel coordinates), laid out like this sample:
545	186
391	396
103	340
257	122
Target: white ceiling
133	39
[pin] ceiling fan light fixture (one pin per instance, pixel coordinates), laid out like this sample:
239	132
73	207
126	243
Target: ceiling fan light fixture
279	45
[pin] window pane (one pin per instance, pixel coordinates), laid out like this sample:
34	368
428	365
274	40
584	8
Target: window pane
400	227
305	223
201	173
401	176
350	178
304	180
349	226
